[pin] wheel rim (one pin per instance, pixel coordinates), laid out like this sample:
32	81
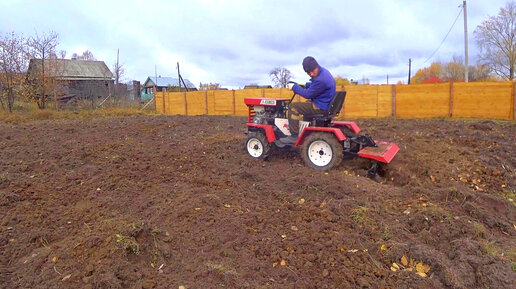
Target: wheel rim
255	147
320	153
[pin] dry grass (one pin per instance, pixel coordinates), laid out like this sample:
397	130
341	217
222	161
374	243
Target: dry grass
26	112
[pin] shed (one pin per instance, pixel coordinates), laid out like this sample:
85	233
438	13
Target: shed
76	78
165	83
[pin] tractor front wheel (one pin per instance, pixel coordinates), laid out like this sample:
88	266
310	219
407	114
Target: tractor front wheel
257	145
322	151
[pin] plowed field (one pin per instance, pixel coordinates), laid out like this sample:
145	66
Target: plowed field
175	202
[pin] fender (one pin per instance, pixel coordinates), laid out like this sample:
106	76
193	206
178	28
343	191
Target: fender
351	124
337	132
267	128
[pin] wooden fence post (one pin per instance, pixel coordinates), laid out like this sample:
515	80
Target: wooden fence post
514	101
451	99
394	100
163	94
206	102
234	104
186	104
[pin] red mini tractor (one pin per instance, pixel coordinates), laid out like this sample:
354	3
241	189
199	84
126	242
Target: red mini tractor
323	141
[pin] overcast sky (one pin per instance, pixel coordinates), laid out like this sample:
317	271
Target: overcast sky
238	42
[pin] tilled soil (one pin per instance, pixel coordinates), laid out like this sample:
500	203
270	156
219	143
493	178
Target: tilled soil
171	201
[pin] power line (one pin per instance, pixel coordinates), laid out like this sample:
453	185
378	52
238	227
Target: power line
445	36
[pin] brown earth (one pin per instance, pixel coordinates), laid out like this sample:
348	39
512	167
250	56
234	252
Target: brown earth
171	201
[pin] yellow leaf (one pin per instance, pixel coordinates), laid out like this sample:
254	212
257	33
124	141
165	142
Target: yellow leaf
54	259
422	268
227	205
283	262
421	274
383	248
393	269
274	264
395	266
301	201
404	261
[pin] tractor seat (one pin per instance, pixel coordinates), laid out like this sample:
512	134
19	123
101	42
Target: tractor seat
335	107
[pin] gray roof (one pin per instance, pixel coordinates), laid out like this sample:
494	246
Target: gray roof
72	69
167	81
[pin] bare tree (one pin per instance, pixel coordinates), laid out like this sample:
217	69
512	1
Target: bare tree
280	76
118	69
13	64
86	55
496	38
43	47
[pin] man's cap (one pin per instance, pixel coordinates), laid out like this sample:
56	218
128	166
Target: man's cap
309	64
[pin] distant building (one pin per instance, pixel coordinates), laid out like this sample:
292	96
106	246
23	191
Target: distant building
164	84
256	86
75	78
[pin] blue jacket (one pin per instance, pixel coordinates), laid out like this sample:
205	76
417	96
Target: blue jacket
320	91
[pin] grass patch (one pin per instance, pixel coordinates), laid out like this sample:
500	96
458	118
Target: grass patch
358	215
127	244
31	113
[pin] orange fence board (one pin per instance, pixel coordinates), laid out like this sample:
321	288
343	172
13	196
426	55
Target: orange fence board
361	101
423	100
196	103
483	100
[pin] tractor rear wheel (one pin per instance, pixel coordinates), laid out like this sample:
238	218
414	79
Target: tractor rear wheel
322	151
257	145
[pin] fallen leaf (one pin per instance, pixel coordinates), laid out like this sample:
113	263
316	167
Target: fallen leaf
283	236
283	262
66	277
274	264
404	261
395	266
352	251
294	228
393	269
197	209
383	248
421	274
227	205
54	259
301	201
422	268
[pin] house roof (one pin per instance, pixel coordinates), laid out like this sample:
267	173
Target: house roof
72	69
167	81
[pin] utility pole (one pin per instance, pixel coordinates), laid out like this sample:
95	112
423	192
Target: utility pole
465	40
178	77
409	67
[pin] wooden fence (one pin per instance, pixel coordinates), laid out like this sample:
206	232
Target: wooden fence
493	100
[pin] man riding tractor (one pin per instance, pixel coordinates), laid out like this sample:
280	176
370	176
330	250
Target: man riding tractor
320	91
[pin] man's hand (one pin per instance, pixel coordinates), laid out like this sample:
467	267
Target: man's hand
290	85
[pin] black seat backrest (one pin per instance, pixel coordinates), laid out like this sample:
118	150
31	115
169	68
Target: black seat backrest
336	103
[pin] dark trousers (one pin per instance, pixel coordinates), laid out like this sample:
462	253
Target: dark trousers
296	110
